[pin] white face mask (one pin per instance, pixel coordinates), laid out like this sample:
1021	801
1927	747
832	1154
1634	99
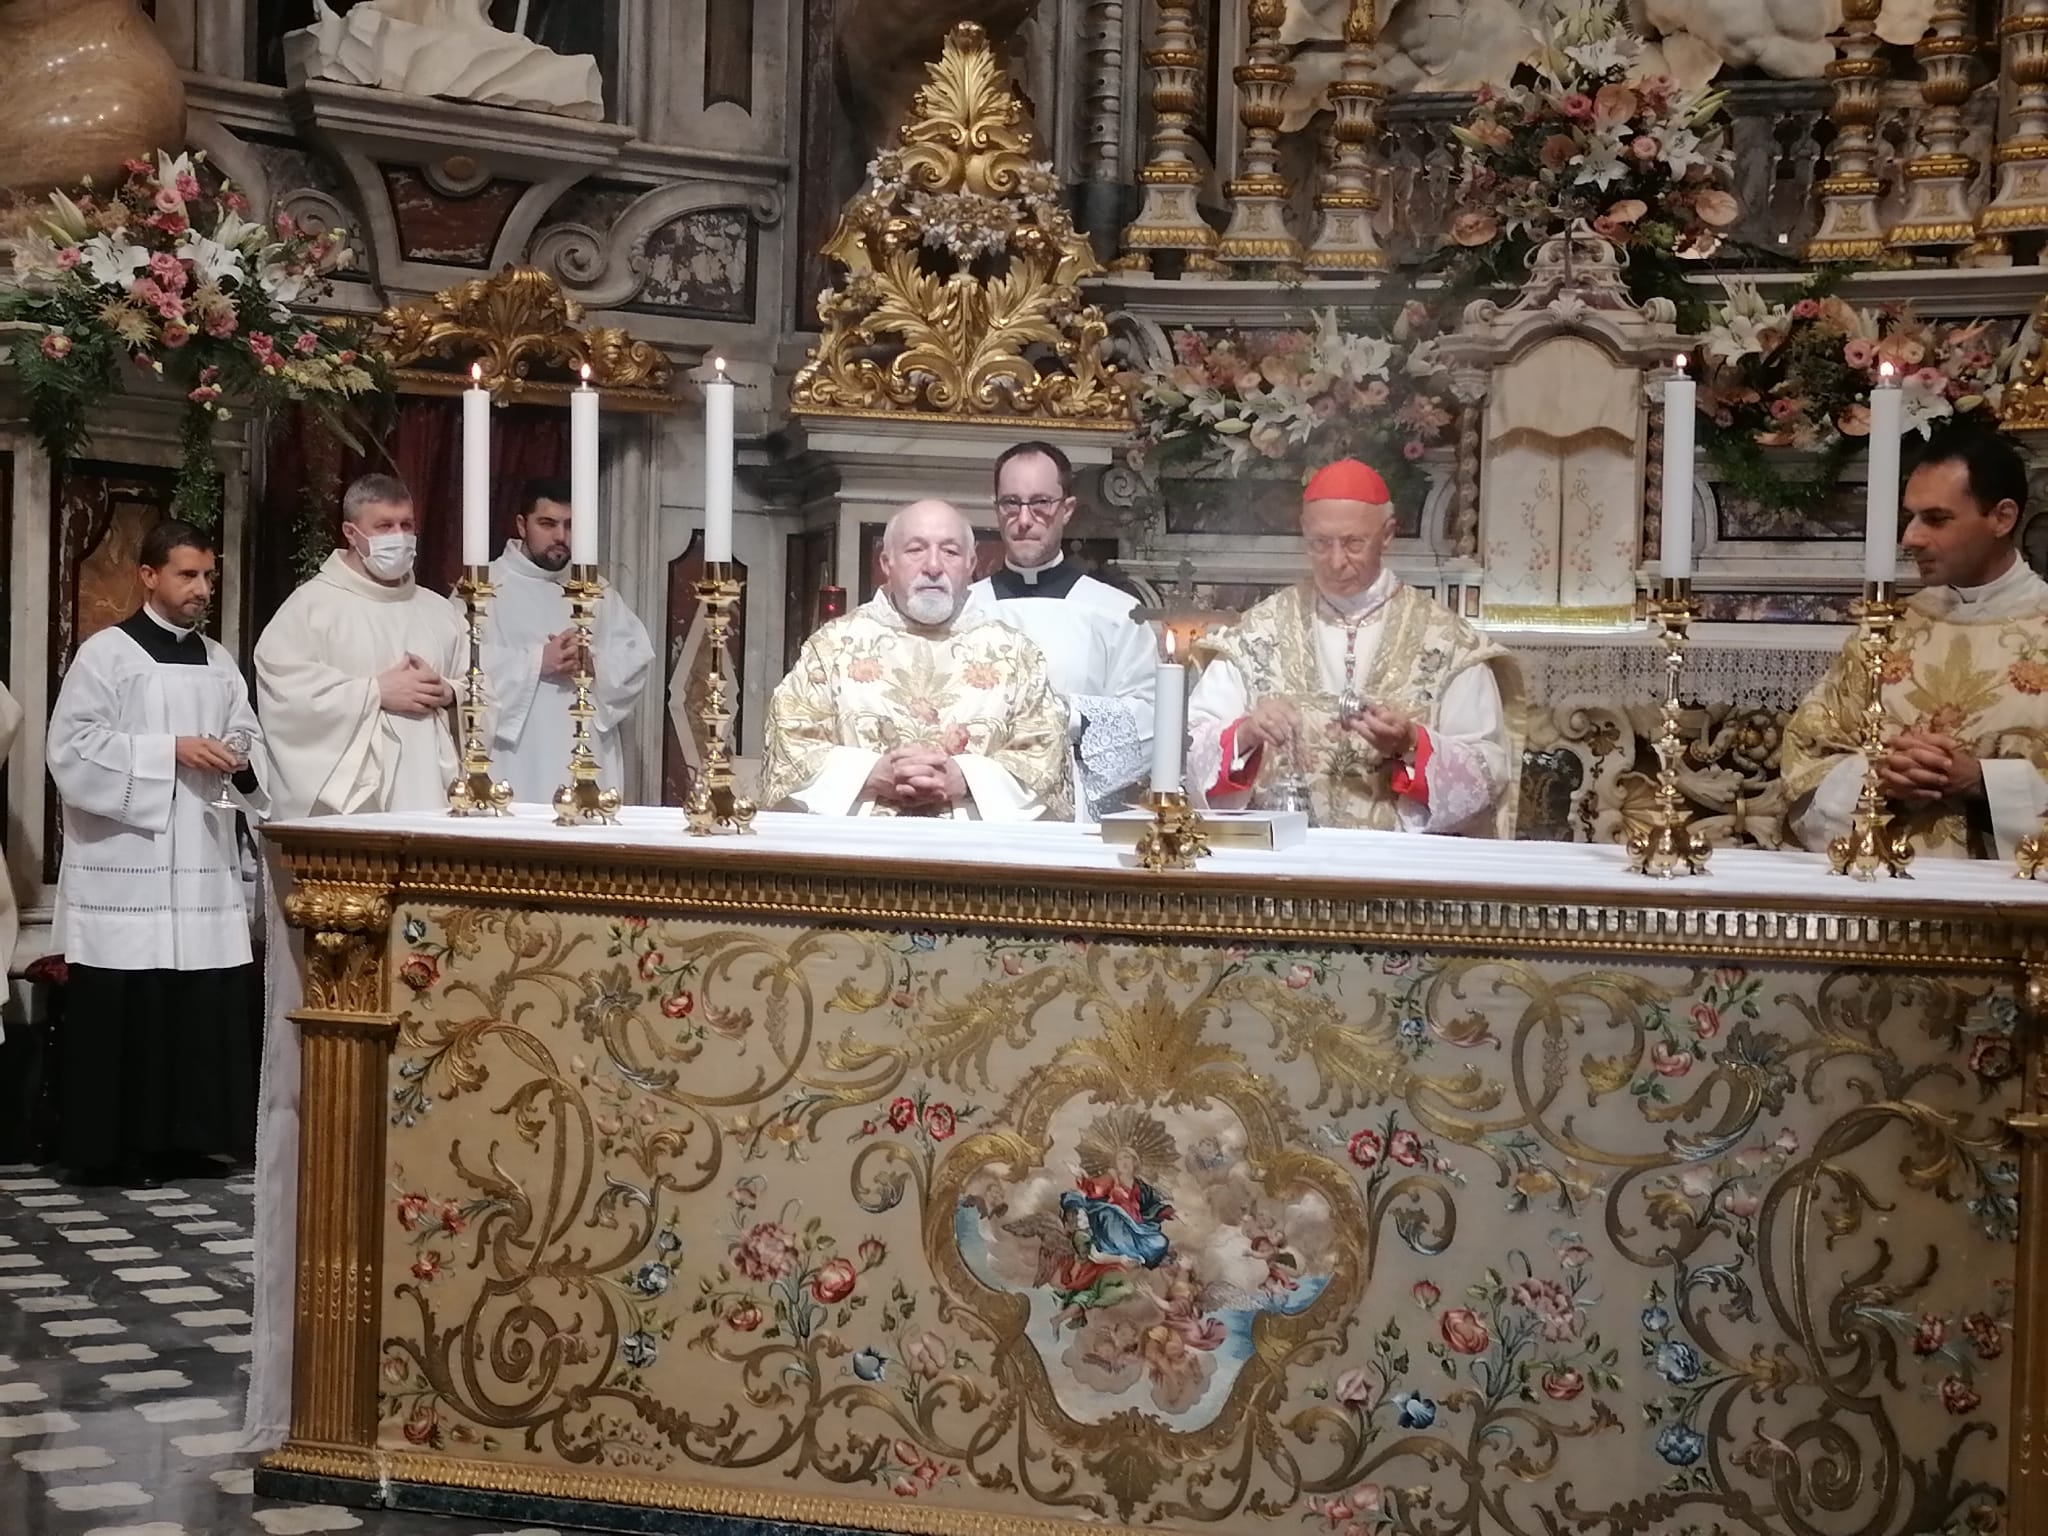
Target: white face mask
389	556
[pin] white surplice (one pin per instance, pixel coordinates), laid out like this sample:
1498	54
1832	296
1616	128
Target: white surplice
531	729
1100	660
334	747
2006	610
151	878
334	750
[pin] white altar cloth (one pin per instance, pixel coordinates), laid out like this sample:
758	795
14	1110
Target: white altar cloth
1386	861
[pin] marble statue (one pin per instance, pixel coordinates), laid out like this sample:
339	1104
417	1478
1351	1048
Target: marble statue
442	48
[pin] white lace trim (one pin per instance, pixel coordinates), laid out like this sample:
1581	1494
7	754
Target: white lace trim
1623	675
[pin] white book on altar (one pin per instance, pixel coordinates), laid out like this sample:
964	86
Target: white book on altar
1224	829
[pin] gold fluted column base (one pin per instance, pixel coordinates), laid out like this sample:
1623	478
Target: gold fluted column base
1175	839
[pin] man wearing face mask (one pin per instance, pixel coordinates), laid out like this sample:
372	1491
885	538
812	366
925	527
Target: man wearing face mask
353	675
353	688
917	704
532	657
1389	710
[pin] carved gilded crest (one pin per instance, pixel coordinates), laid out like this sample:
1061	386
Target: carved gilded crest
2025	406
530	340
960	295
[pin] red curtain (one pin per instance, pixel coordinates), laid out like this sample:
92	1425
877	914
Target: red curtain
306	470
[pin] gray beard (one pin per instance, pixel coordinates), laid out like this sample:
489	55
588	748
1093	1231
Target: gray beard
928	607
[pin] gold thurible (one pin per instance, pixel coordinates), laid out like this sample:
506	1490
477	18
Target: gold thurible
1668	845
715	804
583	801
1875	844
474	792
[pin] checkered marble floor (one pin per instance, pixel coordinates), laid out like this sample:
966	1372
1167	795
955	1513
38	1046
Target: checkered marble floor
124	1342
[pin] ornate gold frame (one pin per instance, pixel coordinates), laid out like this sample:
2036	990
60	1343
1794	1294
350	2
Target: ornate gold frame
350	884
529	338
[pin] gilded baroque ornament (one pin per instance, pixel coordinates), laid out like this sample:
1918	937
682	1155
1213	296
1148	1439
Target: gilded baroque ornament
530	341
345	934
960	295
2024	407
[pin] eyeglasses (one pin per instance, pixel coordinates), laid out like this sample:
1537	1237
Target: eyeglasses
1356	544
1038	506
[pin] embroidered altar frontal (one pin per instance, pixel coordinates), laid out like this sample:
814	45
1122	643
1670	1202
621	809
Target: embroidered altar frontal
778	1180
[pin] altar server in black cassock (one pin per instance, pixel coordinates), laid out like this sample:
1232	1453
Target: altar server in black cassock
155	1051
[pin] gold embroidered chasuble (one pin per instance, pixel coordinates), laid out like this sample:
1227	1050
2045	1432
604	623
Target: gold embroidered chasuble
869	682
1976	670
1421	652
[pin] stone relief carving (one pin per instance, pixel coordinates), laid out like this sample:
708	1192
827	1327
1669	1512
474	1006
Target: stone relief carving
442	48
669	246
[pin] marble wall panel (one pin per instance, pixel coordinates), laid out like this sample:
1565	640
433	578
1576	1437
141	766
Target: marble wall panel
453	231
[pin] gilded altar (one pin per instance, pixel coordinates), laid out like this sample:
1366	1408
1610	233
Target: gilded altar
922	1177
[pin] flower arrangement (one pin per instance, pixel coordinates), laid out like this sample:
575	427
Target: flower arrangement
1584	137
1299	398
1798	374
174	279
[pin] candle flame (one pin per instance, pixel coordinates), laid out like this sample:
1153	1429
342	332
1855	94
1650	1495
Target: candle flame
1885	370
719	364
476	373
1172	641
586	373
1679	362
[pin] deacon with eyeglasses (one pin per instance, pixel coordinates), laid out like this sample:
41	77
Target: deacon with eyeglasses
1354	696
1100	660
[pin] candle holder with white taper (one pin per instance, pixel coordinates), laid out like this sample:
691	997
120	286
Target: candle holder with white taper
2031	856
1875	844
1174	839
715	804
474	792
1668	845
583	801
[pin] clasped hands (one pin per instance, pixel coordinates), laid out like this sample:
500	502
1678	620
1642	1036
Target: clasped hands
412	688
917	779
1921	766
564	655
1277	723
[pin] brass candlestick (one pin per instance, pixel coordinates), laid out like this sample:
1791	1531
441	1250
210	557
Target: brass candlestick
1874	845
583	801
715	805
1669	846
475	792
1175	839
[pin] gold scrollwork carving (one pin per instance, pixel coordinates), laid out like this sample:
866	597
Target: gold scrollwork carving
961	291
529	339
345	931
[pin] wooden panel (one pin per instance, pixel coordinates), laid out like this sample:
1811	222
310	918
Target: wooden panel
729	53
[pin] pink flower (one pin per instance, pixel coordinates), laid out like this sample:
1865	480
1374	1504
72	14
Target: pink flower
834	1281
1299	976
287	227
744	1318
219	322
412	1212
679	1005
902	1114
1957	1396
1474	228
1405	1148
261	344
187	185
68	258
1365	1148
1465	1332
204	394
1932	1333
1644	148
872	1251
427	1265
167	270
451	1217
1858	352
1706	1021
1806	309
1562	1383
1426	1295
767	1252
307	344
1551	1305
1670	1063
176	333
168	201
1985	1334
1578	107
1412	450
1353	1389
939	1121
146	290
57	347
234	202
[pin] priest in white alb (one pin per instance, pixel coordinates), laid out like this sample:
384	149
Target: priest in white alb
1376	702
917	704
152	747
1101	661
531	656
1964	684
354	679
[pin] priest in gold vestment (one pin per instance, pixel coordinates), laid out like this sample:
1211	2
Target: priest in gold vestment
1964	684
1391	711
918	703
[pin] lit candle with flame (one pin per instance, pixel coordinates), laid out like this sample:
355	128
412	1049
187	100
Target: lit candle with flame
1169	721
718	451
1674	555
476	470
1881	503
583	472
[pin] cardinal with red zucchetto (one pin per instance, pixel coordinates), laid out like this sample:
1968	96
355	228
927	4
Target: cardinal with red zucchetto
1365	698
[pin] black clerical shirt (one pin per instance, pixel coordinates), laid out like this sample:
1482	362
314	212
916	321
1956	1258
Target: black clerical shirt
171	647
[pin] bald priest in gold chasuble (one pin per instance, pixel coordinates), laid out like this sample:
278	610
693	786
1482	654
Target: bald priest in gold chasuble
1964	683
1381	705
919	703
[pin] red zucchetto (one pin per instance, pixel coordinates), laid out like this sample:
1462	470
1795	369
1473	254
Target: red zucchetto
1347	480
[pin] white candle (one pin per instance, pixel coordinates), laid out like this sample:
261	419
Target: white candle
1674	556
1881	507
1169	723
476	470
583	472
718	396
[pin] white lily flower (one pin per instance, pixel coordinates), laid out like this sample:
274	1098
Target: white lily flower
236	231
169	169
67	220
212	260
279	285
1597	58
1424	359
1352	358
1682	151
113	263
1923	407
1601	164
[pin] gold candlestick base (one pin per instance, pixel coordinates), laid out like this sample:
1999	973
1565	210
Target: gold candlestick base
715	804
2031	857
475	792
583	801
1875	845
1668	846
1175	839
